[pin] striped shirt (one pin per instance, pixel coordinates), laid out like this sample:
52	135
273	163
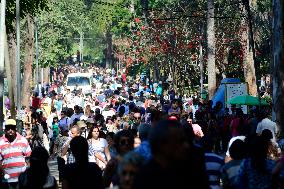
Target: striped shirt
214	164
13	156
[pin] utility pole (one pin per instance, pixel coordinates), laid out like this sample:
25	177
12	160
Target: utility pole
81	45
2	58
18	64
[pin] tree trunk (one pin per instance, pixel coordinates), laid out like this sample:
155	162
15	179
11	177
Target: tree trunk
12	54
278	63
46	74
109	49
211	67
225	62
248	65
29	51
9	79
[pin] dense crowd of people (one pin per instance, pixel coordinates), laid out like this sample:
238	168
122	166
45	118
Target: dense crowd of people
131	133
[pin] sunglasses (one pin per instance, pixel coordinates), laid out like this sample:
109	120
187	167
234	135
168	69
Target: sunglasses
124	142
10	127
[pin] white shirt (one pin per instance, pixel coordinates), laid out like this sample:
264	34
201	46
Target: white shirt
267	124
108	113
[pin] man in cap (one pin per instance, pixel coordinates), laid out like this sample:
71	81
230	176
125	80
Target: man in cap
14	148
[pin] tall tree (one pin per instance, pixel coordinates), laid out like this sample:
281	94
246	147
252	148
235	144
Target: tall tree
278	62
249	68
29	57
211	67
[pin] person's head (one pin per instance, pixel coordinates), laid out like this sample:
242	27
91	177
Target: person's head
128	167
267	134
79	148
123	141
75	131
207	143
167	140
175	104
137	142
109	138
55	120
237	150
63	114
258	149
97	103
38	171
137	117
39	157
94	133
143	131
76	109
10	130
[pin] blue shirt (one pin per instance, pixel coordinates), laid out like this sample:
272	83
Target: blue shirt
144	150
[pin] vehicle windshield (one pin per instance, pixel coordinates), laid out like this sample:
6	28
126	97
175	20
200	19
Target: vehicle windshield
80	81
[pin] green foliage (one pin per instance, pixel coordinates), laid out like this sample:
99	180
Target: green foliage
31	7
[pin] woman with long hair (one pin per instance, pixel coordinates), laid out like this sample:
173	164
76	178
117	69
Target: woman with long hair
256	170
37	175
98	147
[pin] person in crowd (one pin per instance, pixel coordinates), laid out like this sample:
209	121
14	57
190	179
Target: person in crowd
214	163
110	138
100	151
266	123
274	152
59	142
14	149
123	143
64	121
37	175
81	173
237	122
175	110
170	146
230	170
35	101
144	149
37	131
137	141
74	131
129	166
77	114
256	170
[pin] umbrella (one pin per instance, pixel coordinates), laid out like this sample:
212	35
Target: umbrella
247	100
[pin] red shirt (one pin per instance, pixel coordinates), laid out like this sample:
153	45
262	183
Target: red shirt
35	102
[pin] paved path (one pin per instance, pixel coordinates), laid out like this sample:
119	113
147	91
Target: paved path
52	164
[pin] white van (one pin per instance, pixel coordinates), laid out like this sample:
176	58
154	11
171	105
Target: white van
83	81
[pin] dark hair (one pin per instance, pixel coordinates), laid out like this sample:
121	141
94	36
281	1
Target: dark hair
258	149
267	134
119	135
207	143
79	148
237	150
159	134
110	134
38	170
91	131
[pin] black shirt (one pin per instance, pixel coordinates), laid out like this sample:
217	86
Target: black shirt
78	176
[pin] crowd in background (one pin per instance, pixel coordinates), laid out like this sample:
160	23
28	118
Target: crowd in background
131	133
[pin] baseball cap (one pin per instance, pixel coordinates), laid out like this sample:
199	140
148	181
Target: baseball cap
10	122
